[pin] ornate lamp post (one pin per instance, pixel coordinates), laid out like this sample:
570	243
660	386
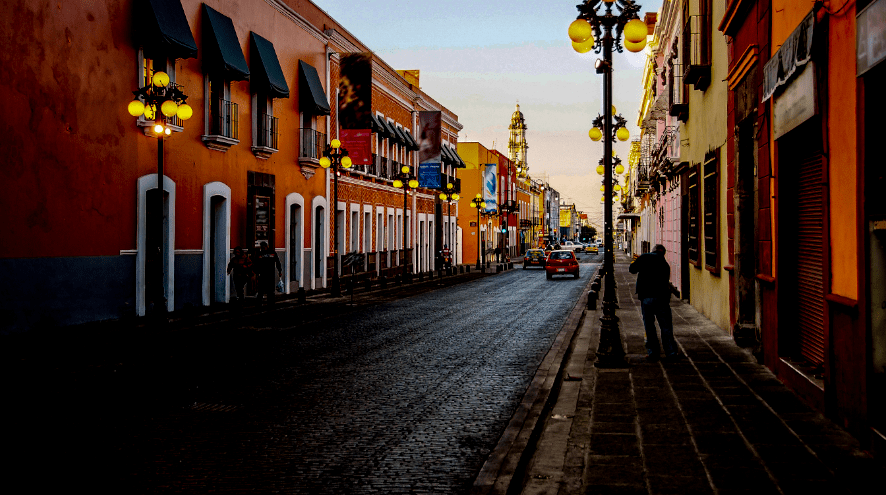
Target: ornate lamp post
601	31
450	196
407	181
478	203
335	156
160	101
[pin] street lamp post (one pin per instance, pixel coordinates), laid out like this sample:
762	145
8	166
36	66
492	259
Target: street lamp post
335	156
601	31
478	203
160	101
449	195
407	181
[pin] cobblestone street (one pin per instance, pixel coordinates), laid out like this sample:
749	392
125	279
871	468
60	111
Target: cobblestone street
404	396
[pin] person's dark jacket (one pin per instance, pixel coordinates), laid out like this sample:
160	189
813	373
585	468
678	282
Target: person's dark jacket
266	262
653	276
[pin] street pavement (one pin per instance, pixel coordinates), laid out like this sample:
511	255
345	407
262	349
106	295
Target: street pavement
713	422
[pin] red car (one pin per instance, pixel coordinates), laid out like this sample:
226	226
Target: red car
561	262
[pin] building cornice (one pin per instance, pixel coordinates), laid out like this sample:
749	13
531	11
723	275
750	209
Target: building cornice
742	66
298	20
736	10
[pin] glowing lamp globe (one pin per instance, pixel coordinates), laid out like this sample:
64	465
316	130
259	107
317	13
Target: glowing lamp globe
158	129
580	31
619	169
404	169
603	188
600	169
336	144
483	204
160	79
443	196
149	112
325	163
449	186
473	205
185	111
635	31
595	134
413	183
136	108
584	46
616	187
635	47
168	131
346	162
602	199
169	108
398	184
455	197
622	134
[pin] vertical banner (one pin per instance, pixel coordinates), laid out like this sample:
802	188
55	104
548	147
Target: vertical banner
430	137
355	91
430	149
358	143
490	186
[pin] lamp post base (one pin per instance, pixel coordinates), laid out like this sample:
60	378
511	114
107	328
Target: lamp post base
335	287
610	351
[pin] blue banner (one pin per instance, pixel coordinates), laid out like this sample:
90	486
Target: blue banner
429	175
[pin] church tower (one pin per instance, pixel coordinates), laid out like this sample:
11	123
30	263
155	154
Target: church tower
517	142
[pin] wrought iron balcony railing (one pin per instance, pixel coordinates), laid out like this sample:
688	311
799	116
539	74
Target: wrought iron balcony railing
266	133
223	119
311	143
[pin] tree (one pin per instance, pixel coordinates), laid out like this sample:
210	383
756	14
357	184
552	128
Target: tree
588	233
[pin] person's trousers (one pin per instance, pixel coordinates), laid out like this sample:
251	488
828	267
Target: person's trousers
658	308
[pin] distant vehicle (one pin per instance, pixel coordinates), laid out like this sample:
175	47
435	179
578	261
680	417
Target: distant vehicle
572	246
562	262
534	257
592	249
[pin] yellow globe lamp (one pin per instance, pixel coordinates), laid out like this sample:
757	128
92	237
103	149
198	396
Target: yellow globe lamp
136	108
413	183
325	163
473	205
635	31
160	79
616	187
404	169
478	196
398	183
622	134
168	131
584	46
619	169
158	129
185	111
169	108
455	197
443	196
149	112
635	47
580	31
336	144
613	110
602	199
603	188
483	204
595	134
449	186
600	169
346	162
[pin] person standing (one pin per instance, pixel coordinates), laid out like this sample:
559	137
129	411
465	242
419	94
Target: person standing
267	264
654	291
240	267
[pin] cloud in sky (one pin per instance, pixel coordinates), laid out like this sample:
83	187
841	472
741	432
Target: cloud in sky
480	59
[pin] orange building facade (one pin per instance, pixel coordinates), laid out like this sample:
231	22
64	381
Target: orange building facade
80	183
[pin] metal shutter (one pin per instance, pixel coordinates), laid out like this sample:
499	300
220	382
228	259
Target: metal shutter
810	259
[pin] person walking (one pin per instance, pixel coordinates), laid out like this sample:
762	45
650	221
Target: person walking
240	267
267	264
654	291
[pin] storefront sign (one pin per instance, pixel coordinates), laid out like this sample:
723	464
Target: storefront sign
870	36
429	175
796	104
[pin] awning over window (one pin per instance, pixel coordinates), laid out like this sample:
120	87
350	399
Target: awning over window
161	29
312	98
447	156
411	144
392	129
795	52
266	68
401	134
461	163
222	47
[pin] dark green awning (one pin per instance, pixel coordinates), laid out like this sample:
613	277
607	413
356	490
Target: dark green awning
459	162
392	134
312	98
221	46
266	71
161	29
411	145
401	136
447	155
377	126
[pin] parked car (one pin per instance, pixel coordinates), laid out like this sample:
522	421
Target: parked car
534	257
572	246
561	262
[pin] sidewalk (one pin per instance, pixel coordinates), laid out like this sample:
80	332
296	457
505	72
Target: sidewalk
714	422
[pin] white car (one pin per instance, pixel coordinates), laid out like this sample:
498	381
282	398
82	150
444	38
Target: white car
572	246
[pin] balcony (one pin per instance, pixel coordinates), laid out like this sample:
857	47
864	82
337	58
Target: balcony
697	51
311	145
667	151
265	136
678	102
223	125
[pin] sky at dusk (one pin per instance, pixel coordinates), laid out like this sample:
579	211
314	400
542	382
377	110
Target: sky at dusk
480	59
